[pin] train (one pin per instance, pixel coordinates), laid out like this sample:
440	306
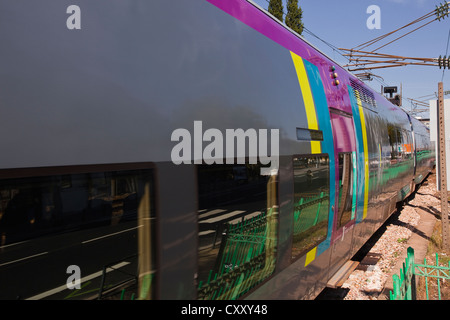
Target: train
187	150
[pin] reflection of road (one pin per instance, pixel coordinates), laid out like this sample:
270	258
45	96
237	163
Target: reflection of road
229	205
315	183
85	281
37	268
211	222
301	175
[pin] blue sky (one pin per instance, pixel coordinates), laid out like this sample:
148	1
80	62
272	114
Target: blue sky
343	24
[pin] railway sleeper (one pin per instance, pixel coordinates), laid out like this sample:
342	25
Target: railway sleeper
342	274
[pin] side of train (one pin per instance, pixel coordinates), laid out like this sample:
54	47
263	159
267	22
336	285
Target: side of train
88	178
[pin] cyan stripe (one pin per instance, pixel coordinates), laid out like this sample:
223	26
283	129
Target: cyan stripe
324	121
360	155
355	184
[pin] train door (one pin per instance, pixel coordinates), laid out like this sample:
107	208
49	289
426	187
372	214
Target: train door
345	187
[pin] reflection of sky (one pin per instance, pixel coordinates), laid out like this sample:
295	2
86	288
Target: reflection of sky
126	84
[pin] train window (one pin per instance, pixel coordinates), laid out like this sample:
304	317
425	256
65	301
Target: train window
346	187
407	145
309	135
395	140
401	144
311	202
238	228
99	219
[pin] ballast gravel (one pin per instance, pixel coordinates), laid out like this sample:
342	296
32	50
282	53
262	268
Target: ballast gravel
367	285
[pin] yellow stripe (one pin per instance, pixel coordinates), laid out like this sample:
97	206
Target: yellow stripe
310	256
366	155
315	147
307	99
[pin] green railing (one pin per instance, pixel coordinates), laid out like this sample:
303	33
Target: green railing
307	211
246	257
404	286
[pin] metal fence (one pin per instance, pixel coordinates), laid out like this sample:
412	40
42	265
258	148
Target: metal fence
433	276
246	257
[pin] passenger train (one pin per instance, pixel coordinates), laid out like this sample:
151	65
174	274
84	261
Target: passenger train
92	94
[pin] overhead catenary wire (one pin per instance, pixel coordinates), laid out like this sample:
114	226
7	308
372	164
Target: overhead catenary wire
363	60
373	41
306	30
369	59
403	35
446	52
333	47
423	102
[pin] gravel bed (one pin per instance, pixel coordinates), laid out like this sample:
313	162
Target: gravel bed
367	285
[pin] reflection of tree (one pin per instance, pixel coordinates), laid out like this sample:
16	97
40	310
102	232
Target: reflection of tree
394	139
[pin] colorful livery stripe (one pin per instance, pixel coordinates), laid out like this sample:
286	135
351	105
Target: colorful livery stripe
307	99
366	154
310	256
323	118
363	153
318	116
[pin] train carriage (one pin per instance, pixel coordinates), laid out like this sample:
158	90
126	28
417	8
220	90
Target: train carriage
121	125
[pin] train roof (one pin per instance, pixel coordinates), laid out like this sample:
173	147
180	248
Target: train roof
350	74
299	36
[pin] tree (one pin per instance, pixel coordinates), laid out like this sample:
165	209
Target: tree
276	8
294	16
